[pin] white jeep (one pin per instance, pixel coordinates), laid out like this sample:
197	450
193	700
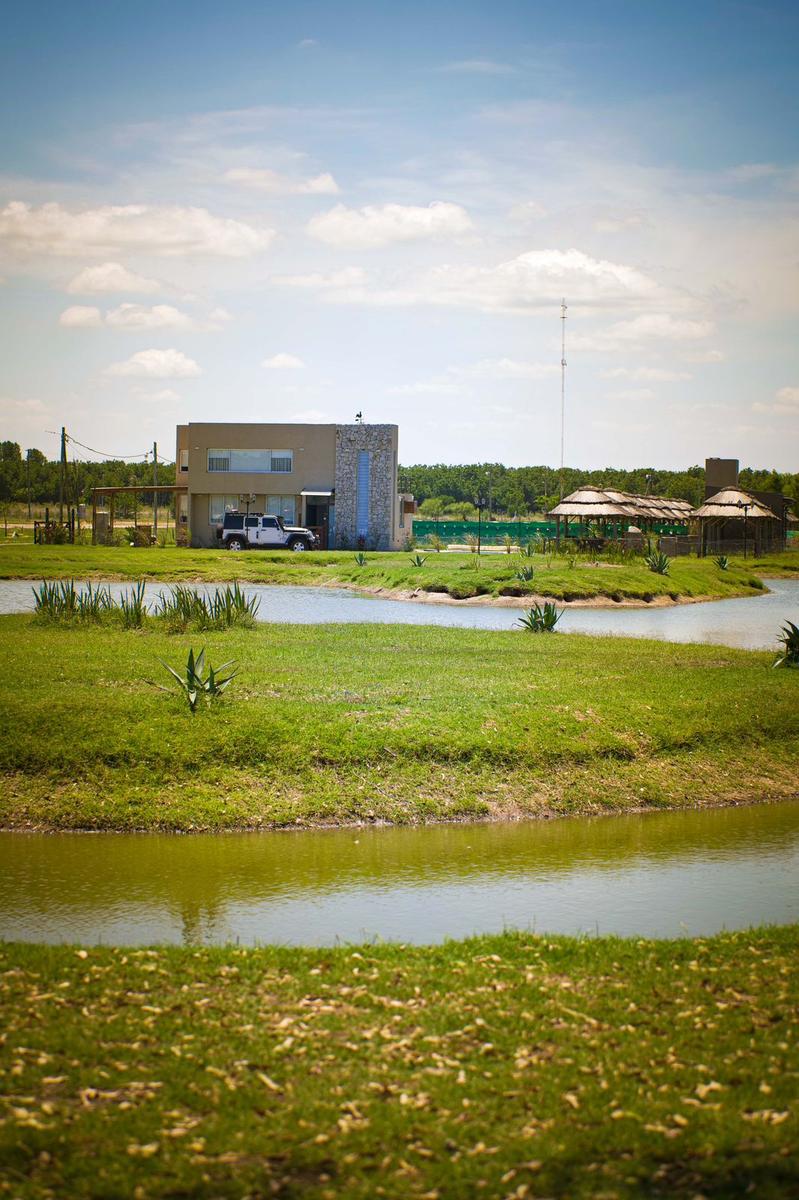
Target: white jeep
254	531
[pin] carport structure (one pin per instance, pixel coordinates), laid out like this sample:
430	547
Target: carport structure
100	493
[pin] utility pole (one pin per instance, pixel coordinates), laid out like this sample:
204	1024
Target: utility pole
28	481
62	478
562	392
155	485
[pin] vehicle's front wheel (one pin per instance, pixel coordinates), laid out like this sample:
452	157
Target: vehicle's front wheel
236	543
298	544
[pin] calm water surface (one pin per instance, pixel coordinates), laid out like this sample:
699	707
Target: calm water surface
660	875
750	622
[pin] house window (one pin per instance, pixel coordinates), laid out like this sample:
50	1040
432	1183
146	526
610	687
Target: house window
282	506
184	460
251	462
218	506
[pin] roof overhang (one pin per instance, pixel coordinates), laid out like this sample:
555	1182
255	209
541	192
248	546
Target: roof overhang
316	492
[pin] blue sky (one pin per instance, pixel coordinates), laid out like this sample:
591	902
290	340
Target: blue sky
295	212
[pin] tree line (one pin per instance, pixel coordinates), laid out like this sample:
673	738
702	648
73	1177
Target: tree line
518	491
439	488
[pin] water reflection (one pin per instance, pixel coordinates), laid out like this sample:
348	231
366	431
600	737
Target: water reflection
655	875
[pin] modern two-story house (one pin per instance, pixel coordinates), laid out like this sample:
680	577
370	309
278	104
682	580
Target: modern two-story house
339	480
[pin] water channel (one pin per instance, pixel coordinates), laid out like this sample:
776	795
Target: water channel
751	622
659	875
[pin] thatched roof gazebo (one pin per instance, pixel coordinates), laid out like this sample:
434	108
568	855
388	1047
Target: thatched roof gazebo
724	523
600	505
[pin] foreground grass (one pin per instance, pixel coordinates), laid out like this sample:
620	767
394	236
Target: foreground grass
332	724
452	574
506	1066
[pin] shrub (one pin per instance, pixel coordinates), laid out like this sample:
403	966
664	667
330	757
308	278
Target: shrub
789	638
133	606
507	542
435	542
525	574
527	550
540	619
658	562
471	542
722	562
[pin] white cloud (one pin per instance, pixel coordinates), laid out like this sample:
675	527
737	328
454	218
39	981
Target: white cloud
110	277
162	396
81	316
644	328
786	402
646	374
478	66
157	364
307	42
527	212
283	362
374	226
612	223
506	368
539	279
115	229
139	316
345	278
283	185
634	395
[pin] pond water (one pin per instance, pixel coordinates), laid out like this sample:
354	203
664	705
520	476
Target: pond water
657	875
751	622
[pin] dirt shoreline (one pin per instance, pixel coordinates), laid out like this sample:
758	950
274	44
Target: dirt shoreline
419	596
502	818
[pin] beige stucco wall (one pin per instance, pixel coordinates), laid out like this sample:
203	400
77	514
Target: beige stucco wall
314	465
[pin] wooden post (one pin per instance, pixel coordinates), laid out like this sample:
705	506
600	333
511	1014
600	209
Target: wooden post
94	517
111	508
155	492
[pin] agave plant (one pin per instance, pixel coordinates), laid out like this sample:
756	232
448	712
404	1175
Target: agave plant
540	618
418	560
527	550
658	562
361	560
525	574
789	639
193	685
722	562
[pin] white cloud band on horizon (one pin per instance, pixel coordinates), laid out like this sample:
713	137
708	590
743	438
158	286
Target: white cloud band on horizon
283	362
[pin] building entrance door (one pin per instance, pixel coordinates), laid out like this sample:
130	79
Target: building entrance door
317	518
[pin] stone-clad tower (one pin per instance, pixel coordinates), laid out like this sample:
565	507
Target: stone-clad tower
366	486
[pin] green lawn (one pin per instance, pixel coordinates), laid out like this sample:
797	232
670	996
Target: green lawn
331	724
454	574
511	1066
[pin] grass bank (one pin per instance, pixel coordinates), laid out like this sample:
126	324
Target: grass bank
335	724
455	575
510	1066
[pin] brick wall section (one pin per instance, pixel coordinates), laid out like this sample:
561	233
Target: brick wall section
381	442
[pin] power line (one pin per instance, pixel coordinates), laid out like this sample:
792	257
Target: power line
102	453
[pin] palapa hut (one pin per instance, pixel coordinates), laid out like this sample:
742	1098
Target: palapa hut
732	521
601	506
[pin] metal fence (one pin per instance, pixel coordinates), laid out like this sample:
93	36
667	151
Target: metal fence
492	533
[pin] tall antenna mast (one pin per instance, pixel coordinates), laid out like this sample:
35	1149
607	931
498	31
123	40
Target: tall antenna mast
562	392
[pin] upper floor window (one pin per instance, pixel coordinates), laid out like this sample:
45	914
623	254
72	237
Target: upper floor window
184	460
251	462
